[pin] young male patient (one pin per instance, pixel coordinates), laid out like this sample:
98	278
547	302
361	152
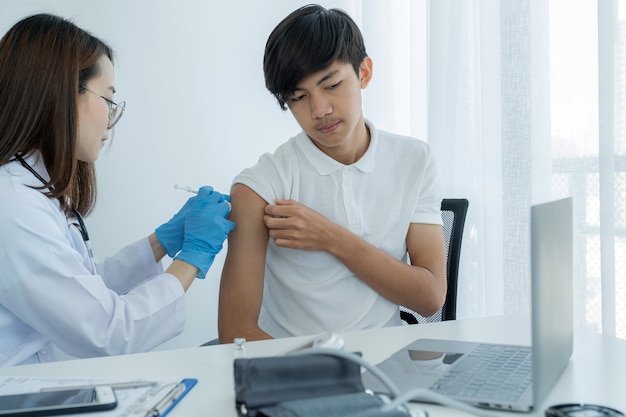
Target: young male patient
324	223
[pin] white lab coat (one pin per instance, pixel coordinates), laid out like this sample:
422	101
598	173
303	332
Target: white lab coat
50	296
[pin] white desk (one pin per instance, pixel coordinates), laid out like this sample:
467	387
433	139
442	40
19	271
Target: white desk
596	373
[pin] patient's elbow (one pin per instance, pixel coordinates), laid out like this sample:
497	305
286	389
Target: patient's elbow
434	303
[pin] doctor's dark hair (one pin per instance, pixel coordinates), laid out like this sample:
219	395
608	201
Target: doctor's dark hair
310	39
44	59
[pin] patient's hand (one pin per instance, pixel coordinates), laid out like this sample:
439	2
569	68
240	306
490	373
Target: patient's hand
296	226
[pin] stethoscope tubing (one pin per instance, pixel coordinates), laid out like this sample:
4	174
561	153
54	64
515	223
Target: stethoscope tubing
82	228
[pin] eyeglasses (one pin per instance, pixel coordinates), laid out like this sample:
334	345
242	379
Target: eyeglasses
115	109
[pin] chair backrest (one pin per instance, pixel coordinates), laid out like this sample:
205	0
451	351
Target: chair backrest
453	213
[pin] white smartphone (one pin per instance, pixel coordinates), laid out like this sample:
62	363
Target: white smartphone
63	401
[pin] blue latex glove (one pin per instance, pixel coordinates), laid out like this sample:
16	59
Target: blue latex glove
206	228
170	235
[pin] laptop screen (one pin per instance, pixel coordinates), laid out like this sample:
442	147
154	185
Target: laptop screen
551	292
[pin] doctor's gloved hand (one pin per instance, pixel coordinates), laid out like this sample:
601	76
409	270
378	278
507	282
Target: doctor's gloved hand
206	228
170	235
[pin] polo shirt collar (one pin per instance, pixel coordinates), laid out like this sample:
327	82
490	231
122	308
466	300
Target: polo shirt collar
325	165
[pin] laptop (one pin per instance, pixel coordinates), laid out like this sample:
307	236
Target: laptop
451	367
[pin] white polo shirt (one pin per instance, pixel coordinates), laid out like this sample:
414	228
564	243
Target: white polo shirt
392	185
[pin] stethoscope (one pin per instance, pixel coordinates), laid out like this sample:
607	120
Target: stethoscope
81	224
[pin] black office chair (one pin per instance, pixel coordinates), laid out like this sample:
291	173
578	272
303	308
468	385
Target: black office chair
453	213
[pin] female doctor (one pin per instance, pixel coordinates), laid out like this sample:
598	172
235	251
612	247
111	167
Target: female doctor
57	111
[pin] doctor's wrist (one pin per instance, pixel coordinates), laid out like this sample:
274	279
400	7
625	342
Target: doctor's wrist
183	271
157	249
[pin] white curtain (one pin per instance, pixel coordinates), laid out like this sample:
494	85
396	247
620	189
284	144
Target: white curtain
523	101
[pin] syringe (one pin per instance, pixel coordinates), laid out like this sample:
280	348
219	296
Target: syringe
188	189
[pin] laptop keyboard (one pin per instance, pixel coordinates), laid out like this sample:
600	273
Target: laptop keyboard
491	372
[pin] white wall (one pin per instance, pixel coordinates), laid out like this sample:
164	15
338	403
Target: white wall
197	112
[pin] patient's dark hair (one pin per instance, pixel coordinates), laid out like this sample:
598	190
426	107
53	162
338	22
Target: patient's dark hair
308	40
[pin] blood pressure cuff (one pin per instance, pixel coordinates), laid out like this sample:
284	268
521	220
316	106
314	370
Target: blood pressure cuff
311	385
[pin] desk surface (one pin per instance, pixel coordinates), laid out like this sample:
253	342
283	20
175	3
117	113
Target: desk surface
596	373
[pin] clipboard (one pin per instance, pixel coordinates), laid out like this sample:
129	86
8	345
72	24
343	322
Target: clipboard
172	398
